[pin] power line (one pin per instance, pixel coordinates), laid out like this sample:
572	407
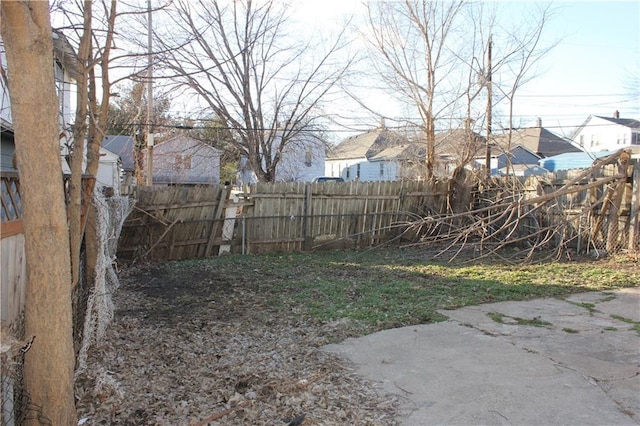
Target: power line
344	130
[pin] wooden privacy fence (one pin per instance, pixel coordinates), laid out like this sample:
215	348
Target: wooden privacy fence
305	216
194	222
598	210
176	222
604	214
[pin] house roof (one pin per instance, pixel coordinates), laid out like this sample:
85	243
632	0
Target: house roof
627	122
121	145
186	143
65	53
406	151
453	141
538	140
367	145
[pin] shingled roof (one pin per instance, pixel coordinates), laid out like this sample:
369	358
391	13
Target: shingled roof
627	122
121	145
367	145
538	140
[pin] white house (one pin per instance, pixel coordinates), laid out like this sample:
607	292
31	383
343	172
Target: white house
302	160
110	170
65	74
607	133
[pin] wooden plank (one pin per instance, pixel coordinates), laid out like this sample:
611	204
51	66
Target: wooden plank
278	241
634	214
215	226
307	218
194	204
11	228
276	195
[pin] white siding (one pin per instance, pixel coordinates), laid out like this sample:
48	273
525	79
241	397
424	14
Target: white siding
369	170
603	135
302	160
109	170
5	105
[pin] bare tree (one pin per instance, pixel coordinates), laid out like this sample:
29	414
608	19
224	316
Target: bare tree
248	72
410	38
127	115
49	363
518	53
433	56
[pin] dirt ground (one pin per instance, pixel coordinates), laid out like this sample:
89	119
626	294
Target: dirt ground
189	346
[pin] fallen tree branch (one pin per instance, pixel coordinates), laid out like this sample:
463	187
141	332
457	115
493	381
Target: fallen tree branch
166	231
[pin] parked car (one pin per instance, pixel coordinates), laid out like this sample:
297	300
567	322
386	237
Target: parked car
322	179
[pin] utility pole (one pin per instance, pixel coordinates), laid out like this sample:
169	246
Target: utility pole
149	180
487	156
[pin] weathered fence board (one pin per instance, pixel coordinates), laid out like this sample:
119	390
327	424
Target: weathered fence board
187	222
176	222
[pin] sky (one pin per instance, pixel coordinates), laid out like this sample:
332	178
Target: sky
589	71
592	67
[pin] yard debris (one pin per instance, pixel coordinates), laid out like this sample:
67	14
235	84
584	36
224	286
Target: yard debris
186	349
508	214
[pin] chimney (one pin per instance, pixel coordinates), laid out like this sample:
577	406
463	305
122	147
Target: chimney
539	122
382	123
616	114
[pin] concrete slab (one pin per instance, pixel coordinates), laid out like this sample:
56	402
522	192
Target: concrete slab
489	365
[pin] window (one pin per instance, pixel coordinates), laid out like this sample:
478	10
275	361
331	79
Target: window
593	140
635	138
381	169
358	171
308	156
348	172
183	162
619	139
581	140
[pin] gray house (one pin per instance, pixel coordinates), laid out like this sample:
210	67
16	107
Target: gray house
538	140
186	161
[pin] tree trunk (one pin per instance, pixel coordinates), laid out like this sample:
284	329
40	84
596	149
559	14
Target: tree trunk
48	369
74	214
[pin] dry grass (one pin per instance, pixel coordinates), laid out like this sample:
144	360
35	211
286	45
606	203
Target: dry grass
237	340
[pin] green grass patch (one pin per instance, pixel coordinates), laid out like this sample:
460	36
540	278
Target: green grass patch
591	307
496	316
570	330
390	287
610	329
534	322
635	324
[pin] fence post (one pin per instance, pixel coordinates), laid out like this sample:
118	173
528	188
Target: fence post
306	218
634	214
215	225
